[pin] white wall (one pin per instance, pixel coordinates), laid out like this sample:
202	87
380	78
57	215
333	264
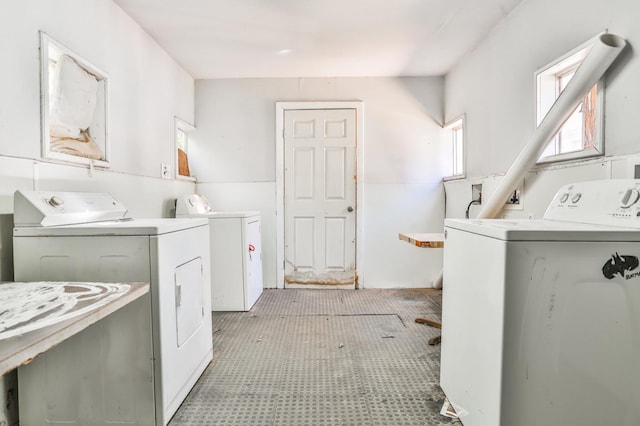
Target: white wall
233	156
147	89
494	86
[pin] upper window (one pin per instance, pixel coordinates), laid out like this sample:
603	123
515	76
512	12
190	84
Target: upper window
74	106
182	129
581	135
454	142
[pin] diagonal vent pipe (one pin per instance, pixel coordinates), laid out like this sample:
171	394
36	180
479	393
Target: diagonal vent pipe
605	50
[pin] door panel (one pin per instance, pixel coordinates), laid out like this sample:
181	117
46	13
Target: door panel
304	129
320	197
304	172
303	239
335	243
335	168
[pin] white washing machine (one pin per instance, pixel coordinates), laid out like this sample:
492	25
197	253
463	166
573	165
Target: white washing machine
137	365
236	253
541	318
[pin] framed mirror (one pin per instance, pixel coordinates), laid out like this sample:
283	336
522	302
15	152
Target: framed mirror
74	106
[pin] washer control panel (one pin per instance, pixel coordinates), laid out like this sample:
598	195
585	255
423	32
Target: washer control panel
50	208
606	202
193	204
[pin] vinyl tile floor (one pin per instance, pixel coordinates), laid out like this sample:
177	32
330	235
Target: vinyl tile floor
323	357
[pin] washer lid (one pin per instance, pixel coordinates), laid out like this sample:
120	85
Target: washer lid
130	227
542	230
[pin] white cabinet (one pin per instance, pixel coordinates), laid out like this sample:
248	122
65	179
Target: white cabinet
236	260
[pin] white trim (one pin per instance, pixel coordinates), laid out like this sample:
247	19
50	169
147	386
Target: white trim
281	107
447	127
549	71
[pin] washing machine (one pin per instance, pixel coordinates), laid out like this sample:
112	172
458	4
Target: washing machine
541	318
236	253
137	365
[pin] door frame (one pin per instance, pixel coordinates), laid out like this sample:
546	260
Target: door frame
281	107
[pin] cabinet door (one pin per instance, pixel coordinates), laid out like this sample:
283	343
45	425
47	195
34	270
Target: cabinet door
227	264
189	299
253	286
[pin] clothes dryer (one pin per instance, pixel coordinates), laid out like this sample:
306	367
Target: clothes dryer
541	318
236	253
136	366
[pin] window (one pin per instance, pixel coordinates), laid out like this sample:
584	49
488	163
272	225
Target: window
454	140
581	134
74	106
182	129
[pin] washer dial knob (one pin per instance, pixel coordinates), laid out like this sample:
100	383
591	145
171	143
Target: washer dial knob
56	201
629	198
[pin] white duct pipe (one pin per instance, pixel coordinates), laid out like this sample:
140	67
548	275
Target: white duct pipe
605	50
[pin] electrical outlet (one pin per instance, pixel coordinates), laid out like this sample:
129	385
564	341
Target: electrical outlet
476	192
514	202
164	171
514	198
632	168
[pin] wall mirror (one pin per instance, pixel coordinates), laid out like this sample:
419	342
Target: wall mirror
74	106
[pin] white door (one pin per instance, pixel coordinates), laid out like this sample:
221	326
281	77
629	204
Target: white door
320	198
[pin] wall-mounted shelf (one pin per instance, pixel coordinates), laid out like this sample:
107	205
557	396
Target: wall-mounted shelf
424	240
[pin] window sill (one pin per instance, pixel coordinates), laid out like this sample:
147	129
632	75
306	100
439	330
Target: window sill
455	177
186	178
570	156
60	158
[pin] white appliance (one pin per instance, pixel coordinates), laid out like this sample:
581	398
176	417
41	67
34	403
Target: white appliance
541	318
137	365
236	253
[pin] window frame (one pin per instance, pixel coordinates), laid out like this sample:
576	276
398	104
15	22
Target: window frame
450	127
181	125
47	46
547	77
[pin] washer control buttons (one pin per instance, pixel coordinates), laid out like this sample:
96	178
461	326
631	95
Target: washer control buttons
564	197
576	197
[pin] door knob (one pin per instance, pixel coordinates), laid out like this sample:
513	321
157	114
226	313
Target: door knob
349	209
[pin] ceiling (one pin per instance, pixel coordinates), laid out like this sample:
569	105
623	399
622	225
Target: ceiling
317	38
